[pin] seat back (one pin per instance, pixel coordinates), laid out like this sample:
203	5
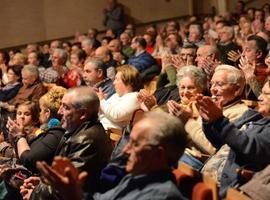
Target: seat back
233	194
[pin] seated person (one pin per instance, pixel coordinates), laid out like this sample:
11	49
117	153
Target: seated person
227	85
26	119
247	138
95	75
117	111
252	64
73	76
43	146
14	83
141	59
156	142
85	142
31	90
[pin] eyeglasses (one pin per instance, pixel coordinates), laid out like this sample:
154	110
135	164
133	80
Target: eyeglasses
219	84
135	144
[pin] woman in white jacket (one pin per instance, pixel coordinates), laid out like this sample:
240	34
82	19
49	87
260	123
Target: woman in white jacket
117	111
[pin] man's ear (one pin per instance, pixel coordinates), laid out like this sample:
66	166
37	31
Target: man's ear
237	90
83	113
259	54
100	73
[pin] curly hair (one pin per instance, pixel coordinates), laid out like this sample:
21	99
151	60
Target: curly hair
52	99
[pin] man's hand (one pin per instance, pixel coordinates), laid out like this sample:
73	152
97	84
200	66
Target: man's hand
234	55
64	177
247	67
209	110
27	188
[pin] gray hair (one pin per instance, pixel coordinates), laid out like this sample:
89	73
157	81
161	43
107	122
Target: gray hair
194	72
86	98
62	54
235	76
98	62
88	41
169	132
32	70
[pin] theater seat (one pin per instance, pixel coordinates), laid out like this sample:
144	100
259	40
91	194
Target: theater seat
233	194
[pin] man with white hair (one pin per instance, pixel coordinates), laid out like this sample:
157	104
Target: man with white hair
227	85
226	44
195	35
56	72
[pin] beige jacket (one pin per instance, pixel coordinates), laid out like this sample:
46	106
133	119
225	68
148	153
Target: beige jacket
193	127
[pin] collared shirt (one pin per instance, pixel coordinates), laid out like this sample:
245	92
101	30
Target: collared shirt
160	185
106	86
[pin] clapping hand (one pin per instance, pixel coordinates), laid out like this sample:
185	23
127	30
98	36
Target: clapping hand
209	109
63	176
15	128
247	67
234	55
182	112
146	100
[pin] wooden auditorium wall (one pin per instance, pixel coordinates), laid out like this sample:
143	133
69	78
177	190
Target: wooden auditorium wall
27	21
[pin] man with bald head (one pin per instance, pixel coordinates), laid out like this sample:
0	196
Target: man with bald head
106	55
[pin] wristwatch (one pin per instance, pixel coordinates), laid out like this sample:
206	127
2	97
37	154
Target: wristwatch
18	137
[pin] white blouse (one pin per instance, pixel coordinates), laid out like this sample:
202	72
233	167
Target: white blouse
116	112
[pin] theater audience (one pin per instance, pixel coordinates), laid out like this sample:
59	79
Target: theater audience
25	124
84	143
42	147
246	139
149	176
215	126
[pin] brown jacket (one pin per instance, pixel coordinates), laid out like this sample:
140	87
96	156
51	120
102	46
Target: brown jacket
30	93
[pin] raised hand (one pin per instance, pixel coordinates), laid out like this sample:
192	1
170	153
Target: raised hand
15	128
64	177
146	100
209	109
182	112
247	67
234	55
178	62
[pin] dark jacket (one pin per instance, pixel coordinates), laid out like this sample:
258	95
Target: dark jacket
10	92
89	149
249	148
42	147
